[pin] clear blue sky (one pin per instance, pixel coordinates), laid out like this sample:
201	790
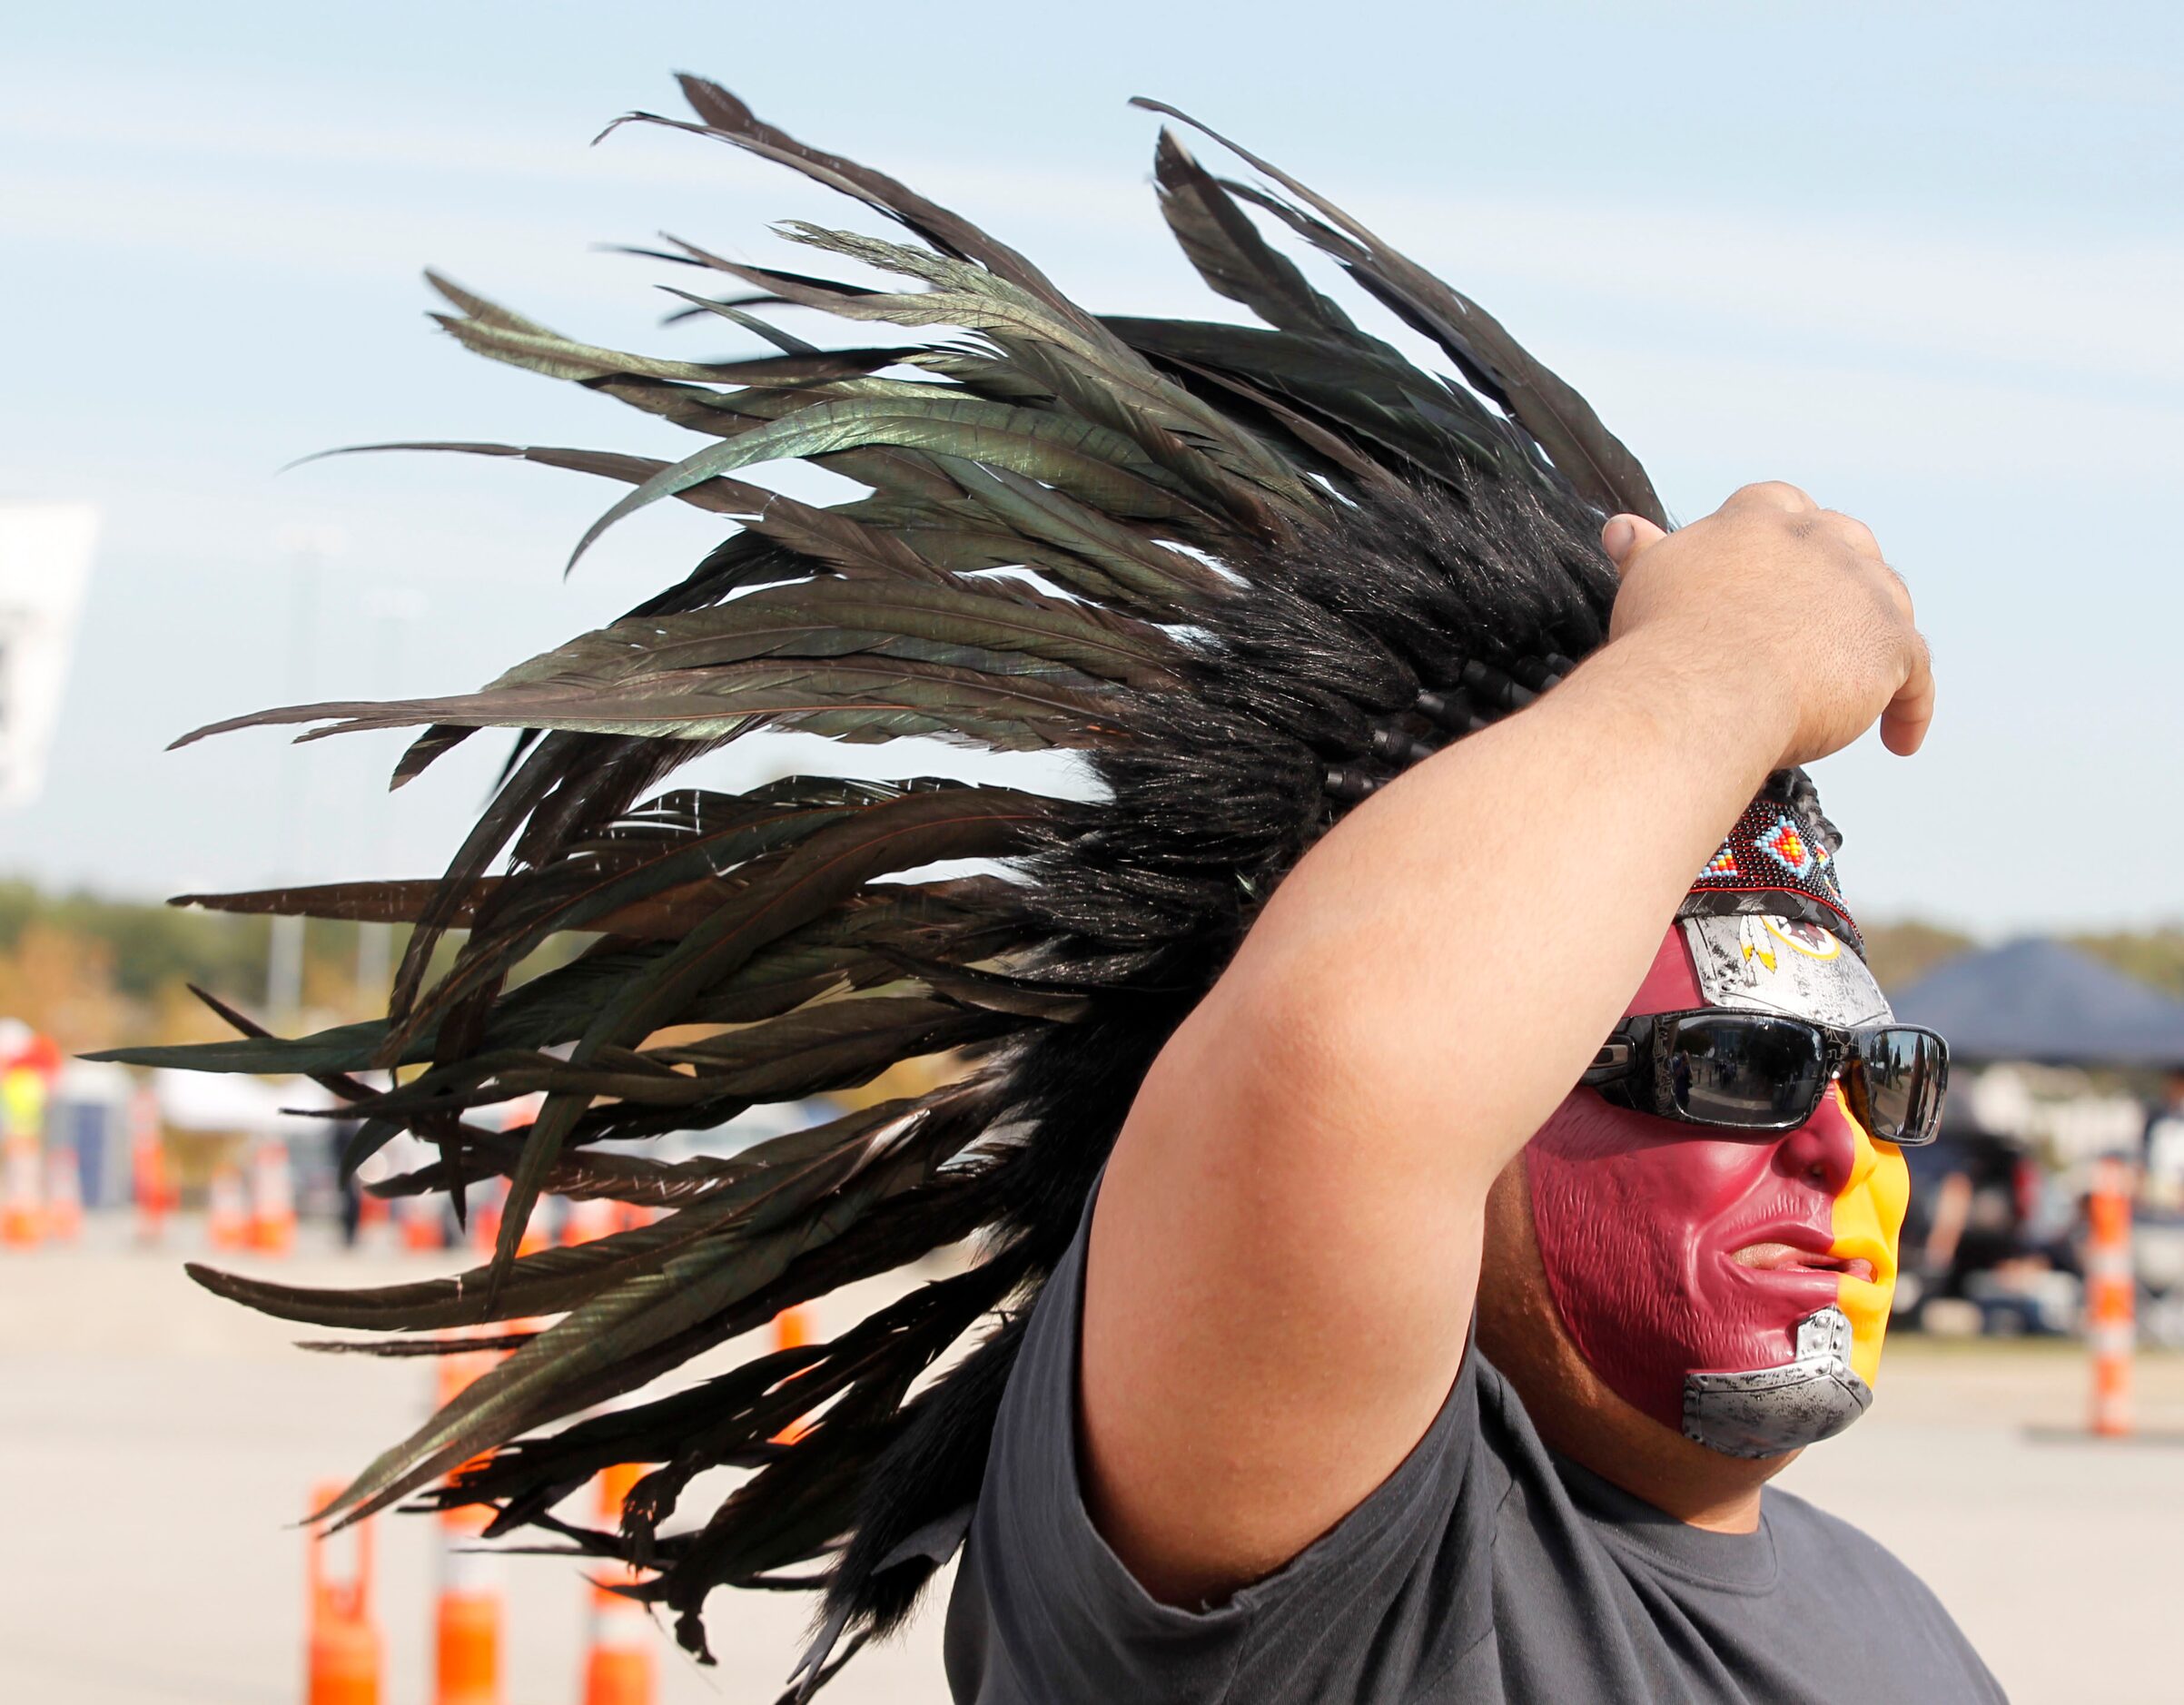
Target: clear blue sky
1926	261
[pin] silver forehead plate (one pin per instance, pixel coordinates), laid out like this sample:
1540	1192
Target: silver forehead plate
1758	963
1771	1410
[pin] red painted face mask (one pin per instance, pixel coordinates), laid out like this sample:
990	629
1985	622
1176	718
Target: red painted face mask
1732	1285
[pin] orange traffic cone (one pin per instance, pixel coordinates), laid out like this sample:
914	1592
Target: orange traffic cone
63	1193
514	1116
2112	1333
794	1327
618	1662
466	1619
272	1198
486	1216
343	1659
148	1166
227	1221
22	1212
588	1219
418	1216
372	1217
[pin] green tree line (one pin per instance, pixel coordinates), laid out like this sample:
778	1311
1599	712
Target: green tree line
80	962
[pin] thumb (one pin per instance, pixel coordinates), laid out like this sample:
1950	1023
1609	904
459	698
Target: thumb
1624	535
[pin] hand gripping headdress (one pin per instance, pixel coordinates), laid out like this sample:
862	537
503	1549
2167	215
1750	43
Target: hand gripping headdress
1248	574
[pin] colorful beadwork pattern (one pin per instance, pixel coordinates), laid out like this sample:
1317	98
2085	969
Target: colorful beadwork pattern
1774	850
1788	846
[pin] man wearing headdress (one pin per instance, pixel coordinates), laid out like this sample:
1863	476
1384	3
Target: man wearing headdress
1428	1144
1410	1353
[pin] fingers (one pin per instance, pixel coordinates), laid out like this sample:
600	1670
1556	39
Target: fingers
1780	494
1854	533
1786	563
1624	535
1772	494
1899	593
1904	722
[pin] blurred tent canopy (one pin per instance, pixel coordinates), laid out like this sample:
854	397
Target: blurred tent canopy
2041	1002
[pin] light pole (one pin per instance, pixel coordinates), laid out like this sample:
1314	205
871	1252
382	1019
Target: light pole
393	609
307	548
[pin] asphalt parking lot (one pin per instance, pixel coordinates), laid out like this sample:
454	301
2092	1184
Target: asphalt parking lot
156	1447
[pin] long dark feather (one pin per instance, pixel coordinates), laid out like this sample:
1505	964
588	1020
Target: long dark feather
1593	459
1240	575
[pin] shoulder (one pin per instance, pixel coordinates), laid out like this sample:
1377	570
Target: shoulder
1825	1538
1813	1543
1042	1604
1830	1563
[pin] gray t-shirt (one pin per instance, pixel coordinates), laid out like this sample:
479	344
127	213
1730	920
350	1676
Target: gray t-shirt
1485	1569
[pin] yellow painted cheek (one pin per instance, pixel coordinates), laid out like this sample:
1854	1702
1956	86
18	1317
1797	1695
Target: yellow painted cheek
1868	1220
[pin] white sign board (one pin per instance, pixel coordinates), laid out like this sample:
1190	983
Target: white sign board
44	565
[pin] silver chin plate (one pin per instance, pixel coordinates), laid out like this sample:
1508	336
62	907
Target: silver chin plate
1772	1409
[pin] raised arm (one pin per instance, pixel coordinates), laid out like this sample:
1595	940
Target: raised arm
1286	1247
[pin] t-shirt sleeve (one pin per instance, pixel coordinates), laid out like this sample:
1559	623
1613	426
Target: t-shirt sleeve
1045	1611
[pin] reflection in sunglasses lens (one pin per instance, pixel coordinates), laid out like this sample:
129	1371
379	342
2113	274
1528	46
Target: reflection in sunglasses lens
1744	1069
1904	1075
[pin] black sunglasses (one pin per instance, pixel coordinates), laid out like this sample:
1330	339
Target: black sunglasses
1756	1072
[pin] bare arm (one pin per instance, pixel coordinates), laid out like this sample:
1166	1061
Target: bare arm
1286	1247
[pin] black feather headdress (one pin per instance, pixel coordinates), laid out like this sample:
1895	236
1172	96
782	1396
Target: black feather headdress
1246	574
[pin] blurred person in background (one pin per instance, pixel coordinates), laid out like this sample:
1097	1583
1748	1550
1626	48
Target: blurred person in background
1991	1233
2158	1232
2162	1185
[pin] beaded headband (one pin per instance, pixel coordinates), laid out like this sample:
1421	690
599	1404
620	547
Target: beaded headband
1779	859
